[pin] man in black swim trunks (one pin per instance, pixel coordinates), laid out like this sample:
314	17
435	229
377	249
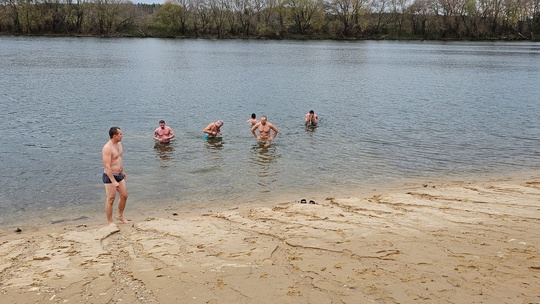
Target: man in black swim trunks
114	177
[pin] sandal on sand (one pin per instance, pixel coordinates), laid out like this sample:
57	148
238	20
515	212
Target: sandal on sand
303	201
312	202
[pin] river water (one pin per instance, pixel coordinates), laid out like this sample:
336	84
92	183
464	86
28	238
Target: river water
389	111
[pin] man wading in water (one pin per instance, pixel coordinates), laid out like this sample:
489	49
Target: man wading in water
264	128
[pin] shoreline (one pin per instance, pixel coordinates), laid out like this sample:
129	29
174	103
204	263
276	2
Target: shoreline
453	242
138	210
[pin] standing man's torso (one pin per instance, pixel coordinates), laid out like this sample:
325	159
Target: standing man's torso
116	156
164	131
264	130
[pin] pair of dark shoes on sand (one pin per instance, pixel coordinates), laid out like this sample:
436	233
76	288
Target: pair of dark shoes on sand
303	201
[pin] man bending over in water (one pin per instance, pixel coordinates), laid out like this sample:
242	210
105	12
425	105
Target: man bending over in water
213	129
114	177
264	128
311	119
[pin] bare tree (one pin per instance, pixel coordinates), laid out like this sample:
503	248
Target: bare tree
348	12
382	16
305	14
11	13
219	10
419	12
398	9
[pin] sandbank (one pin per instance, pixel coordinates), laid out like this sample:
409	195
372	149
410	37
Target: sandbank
451	242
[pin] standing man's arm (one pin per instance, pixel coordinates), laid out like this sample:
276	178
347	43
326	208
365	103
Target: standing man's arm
156	135
208	129
171	133
272	127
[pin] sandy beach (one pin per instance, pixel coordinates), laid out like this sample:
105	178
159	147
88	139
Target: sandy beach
451	242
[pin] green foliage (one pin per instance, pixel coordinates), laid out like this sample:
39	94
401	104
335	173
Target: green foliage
167	19
275	19
470	8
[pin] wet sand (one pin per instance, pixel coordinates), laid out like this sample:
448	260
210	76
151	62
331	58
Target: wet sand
452	242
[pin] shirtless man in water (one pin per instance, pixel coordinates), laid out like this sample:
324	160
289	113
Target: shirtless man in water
213	129
264	128
311	119
253	120
163	133
114	177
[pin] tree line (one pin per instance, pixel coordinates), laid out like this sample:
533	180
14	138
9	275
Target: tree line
276	19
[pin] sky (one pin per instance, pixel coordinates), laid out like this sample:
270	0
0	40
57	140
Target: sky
148	1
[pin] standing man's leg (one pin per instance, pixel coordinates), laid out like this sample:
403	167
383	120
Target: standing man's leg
110	192
122	192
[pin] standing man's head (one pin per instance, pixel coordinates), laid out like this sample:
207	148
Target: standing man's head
263	119
311	112
162	124
115	132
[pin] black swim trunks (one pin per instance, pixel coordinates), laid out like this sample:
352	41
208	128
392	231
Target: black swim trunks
117	176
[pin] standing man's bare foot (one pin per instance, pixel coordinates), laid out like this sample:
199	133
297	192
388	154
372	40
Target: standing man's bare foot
112	224
123	220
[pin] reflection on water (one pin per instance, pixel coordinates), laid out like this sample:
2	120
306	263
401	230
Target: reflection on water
215	143
264	157
165	151
213	160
